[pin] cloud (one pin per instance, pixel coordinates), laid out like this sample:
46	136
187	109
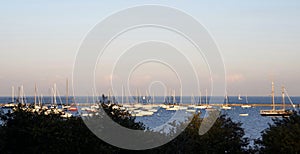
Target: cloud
110	78
235	78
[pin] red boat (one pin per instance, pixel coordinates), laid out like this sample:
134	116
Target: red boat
73	108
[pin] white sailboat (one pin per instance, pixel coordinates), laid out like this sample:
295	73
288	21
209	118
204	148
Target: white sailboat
11	104
200	105
207	106
226	106
246	105
240	98
191	107
175	107
66	106
36	107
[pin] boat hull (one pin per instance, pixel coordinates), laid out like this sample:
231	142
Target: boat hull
276	112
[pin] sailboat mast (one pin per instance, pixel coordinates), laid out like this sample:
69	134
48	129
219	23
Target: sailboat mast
93	93
153	99
54	94
67	92
273	95
193	99
200	98
283	100
40	100
87	99
109	97
122	95
227	99
137	96
147	96
35	93
22	94
174	97
12	94
206	96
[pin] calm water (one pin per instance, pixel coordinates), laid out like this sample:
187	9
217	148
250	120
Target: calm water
253	124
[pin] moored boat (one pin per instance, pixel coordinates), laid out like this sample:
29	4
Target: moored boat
274	111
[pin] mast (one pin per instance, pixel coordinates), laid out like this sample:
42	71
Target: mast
22	94
109	97
35	93
206	96
51	93
153	99
147	96
227	99
200	98
192	99
122	97
12	94
93	93
170	96
273	96
174	99
67	92
137	96
41	100
54	94
283	100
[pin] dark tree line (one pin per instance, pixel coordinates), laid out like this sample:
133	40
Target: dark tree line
281	137
25	132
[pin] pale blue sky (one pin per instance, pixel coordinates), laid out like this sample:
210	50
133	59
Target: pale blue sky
259	40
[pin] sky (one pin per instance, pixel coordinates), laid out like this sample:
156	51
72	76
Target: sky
258	40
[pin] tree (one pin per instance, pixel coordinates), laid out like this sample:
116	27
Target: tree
27	132
225	136
36	133
282	136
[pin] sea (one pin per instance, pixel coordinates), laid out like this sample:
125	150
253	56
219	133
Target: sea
253	124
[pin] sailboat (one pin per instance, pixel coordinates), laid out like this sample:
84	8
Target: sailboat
200	105
12	103
274	111
240	98
36	107
226	106
66	105
246	105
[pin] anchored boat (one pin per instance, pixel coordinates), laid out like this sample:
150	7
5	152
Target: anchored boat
274	111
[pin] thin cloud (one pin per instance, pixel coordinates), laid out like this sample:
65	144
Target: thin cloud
235	78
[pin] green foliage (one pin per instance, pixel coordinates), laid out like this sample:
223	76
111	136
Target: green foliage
122	117
225	136
281	137
26	132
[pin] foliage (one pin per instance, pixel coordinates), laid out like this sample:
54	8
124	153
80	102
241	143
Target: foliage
37	133
281	137
225	136
34	133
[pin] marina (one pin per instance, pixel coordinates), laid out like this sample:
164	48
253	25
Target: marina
157	113
154	111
